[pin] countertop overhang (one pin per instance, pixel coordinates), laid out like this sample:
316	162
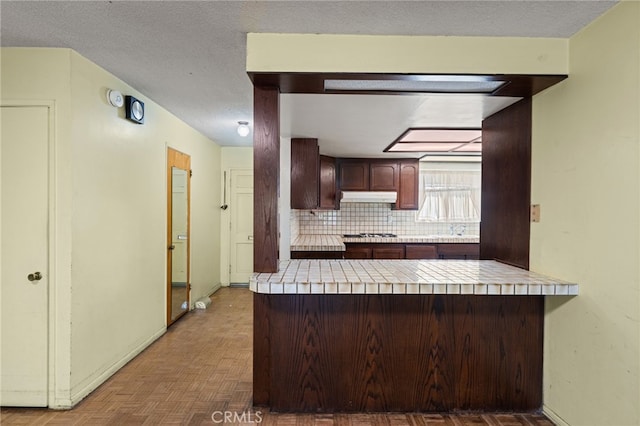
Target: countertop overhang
465	277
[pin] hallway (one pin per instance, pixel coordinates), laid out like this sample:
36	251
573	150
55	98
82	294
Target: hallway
202	367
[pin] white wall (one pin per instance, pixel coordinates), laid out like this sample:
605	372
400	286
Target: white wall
232	158
586	178
111	218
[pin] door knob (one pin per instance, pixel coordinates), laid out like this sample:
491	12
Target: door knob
171	247
36	276
250	237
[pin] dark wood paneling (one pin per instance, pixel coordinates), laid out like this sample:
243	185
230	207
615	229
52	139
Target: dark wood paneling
506	185
266	174
409	183
353	175
328	182
384	176
317	254
403	353
261	349
305	173
519	85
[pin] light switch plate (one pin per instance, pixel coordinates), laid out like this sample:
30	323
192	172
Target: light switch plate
535	213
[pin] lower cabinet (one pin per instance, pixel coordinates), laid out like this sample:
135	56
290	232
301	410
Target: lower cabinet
317	255
411	251
387	251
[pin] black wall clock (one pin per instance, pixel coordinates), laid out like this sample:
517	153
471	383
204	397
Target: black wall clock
134	109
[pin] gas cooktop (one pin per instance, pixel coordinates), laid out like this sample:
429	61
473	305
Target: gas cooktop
370	235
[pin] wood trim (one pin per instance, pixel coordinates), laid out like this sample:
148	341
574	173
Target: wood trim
506	185
266	175
182	161
298	82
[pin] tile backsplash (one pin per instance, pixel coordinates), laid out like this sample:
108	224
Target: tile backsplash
354	218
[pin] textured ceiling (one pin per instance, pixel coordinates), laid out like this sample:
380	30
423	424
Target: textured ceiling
189	57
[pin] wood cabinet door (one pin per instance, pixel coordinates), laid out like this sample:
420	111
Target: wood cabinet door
421	251
357	251
305	163
354	175
328	198
409	183
388	251
384	176
459	251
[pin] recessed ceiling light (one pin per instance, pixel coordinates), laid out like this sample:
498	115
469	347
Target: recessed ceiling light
423	84
439	141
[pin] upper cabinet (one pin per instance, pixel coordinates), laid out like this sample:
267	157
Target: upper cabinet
384	175
354	175
305	173
313	176
409	184
316	180
400	175
328	176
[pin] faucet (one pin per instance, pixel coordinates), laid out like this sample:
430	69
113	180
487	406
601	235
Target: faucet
457	229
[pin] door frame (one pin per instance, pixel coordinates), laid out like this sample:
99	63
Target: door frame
225	229
179	159
56	365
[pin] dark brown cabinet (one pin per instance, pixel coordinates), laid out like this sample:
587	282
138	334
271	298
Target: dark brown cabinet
384	176
358	251
317	255
354	175
414	251
305	165
401	175
421	251
313	176
409	176
387	251
328	193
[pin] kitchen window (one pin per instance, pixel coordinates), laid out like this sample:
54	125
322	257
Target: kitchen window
449	192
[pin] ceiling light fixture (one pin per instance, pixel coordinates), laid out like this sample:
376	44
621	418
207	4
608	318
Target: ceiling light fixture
243	128
439	141
423	84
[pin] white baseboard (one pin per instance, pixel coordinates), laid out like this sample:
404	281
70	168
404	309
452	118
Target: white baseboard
215	288
78	396
553	416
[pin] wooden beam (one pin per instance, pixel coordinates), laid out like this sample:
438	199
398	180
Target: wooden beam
266	173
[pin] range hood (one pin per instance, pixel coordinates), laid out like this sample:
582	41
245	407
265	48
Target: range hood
369	197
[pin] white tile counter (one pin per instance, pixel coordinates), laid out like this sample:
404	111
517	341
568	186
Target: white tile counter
408	239
318	243
479	277
309	242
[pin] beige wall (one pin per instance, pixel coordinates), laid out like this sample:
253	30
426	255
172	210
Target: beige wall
110	195
405	54
586	177
232	158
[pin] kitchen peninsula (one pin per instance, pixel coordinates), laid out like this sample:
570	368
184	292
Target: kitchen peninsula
399	335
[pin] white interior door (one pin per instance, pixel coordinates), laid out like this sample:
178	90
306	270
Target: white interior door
241	212
24	255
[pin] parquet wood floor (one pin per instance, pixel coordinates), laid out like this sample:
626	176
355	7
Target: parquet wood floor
202	367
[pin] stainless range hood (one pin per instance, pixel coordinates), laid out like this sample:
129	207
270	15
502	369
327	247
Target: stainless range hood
369	197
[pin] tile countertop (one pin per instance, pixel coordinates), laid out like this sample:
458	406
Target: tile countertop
336	242
481	277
